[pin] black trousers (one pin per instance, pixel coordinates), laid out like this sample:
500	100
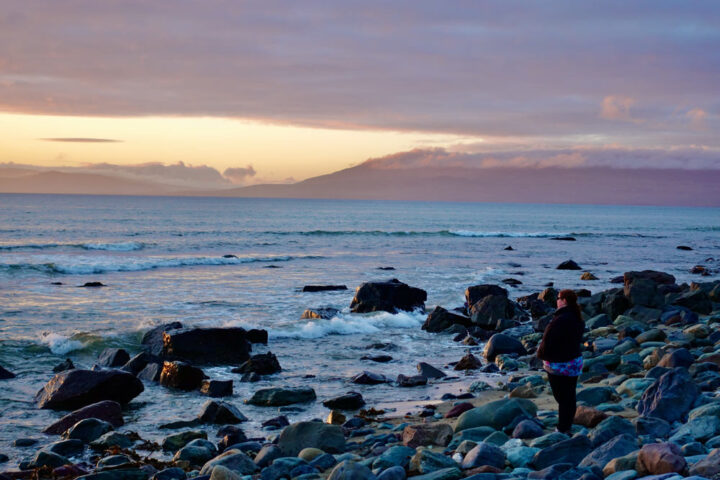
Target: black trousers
563	389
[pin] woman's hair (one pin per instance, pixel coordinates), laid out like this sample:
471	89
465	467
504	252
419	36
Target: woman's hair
571	298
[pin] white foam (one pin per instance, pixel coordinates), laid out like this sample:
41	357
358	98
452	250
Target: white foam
470	233
60	344
114	247
347	324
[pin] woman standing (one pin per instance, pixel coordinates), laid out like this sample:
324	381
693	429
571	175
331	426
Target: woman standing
562	359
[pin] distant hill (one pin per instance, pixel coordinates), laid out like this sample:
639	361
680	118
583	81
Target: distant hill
31	181
596	185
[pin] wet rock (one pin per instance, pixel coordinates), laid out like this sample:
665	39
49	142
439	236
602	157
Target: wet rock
222	346
62	366
501	343
251	377
413	381
336	418
220	413
181	375
151	372
478	292
301	435
92	285
369	378
659	458
670	397
349	401
276	396
571	451
377	358
46	459
234	460
137	363
440	319
323	288
588	276
697	301
106	410
511	281
262	364
66	448
484	454
568	265
111	439
232	437
468	362
323	313
267	454
428	371
427	434
390	296
492	310
152	341
197	452
78	388
349	470
113	357
217	388
498	414
88	430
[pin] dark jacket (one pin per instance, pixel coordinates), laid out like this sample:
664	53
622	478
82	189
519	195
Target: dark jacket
562	338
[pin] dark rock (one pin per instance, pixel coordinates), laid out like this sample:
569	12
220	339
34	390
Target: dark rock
659	458
680	357
325	313
323	288
509	248
173	473
349	401
389	296
427	370
684	247
369	378
498	414
232	459
152	341
708	467
220	413
173	443
427	434
301	435
477	292
502	344
670	397
151	372
616	303
181	375
486	313
137	363
565	239
217	388
66	448
276	422
652	427
78	388
468	362
484	454
257	335
93	284
568	265
413	381
697	301
262	364
250	377
63	366
441	319
207	345
386	269
276	396
459	409
24	442
618	446
610	428
527	429
113	357
572	451
6	374
349	470
88	430
511	281
107	410
594	396
377	358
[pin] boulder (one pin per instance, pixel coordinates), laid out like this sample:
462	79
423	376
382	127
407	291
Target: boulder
426	461
323	313
709	466
111	439
490	310
349	470
527	429
659	458
428	371
697	301
427	434
78	388
369	378
459	409
220	413
568	265
107	410
173	443
234	460
588	416
484	454
618	446
412	381
152	341
641	288
610	428
323	288
113	357
87	430
594	396
349	401
60	367
441	319
137	363
571	451
181	375
652	427
679	357
468	362
262	364
151	372
217	388
502	344
223	346
699	429
298	436
671	397
390	296
278	396
498	414
477	292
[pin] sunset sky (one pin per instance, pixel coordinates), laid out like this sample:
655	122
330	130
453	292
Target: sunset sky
282	91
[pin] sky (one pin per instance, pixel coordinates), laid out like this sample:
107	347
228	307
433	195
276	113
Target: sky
272	91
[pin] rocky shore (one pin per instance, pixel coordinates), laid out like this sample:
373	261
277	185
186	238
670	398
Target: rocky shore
648	398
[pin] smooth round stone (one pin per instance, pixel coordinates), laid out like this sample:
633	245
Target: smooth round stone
309	454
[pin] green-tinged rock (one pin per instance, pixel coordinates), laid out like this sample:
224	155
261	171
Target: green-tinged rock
275	396
88	430
234	460
114	461
112	439
298	436
193	454
309	454
547	440
634	387
508	364
222	473
479	386
398	455
708	410
427	461
173	443
609	360
624	475
520	457
595	395
497	438
47	459
497	414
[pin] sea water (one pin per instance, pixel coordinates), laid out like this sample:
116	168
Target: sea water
243	262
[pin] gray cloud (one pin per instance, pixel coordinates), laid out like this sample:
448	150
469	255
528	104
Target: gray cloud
81	140
239	175
502	68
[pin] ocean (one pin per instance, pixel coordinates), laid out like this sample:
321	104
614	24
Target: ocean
243	262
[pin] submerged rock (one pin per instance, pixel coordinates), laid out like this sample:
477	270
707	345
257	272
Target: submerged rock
78	388
568	265
262	364
5	374
441	319
323	288
276	396
113	357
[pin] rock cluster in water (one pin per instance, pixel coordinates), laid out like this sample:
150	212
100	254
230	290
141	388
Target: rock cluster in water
648	399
